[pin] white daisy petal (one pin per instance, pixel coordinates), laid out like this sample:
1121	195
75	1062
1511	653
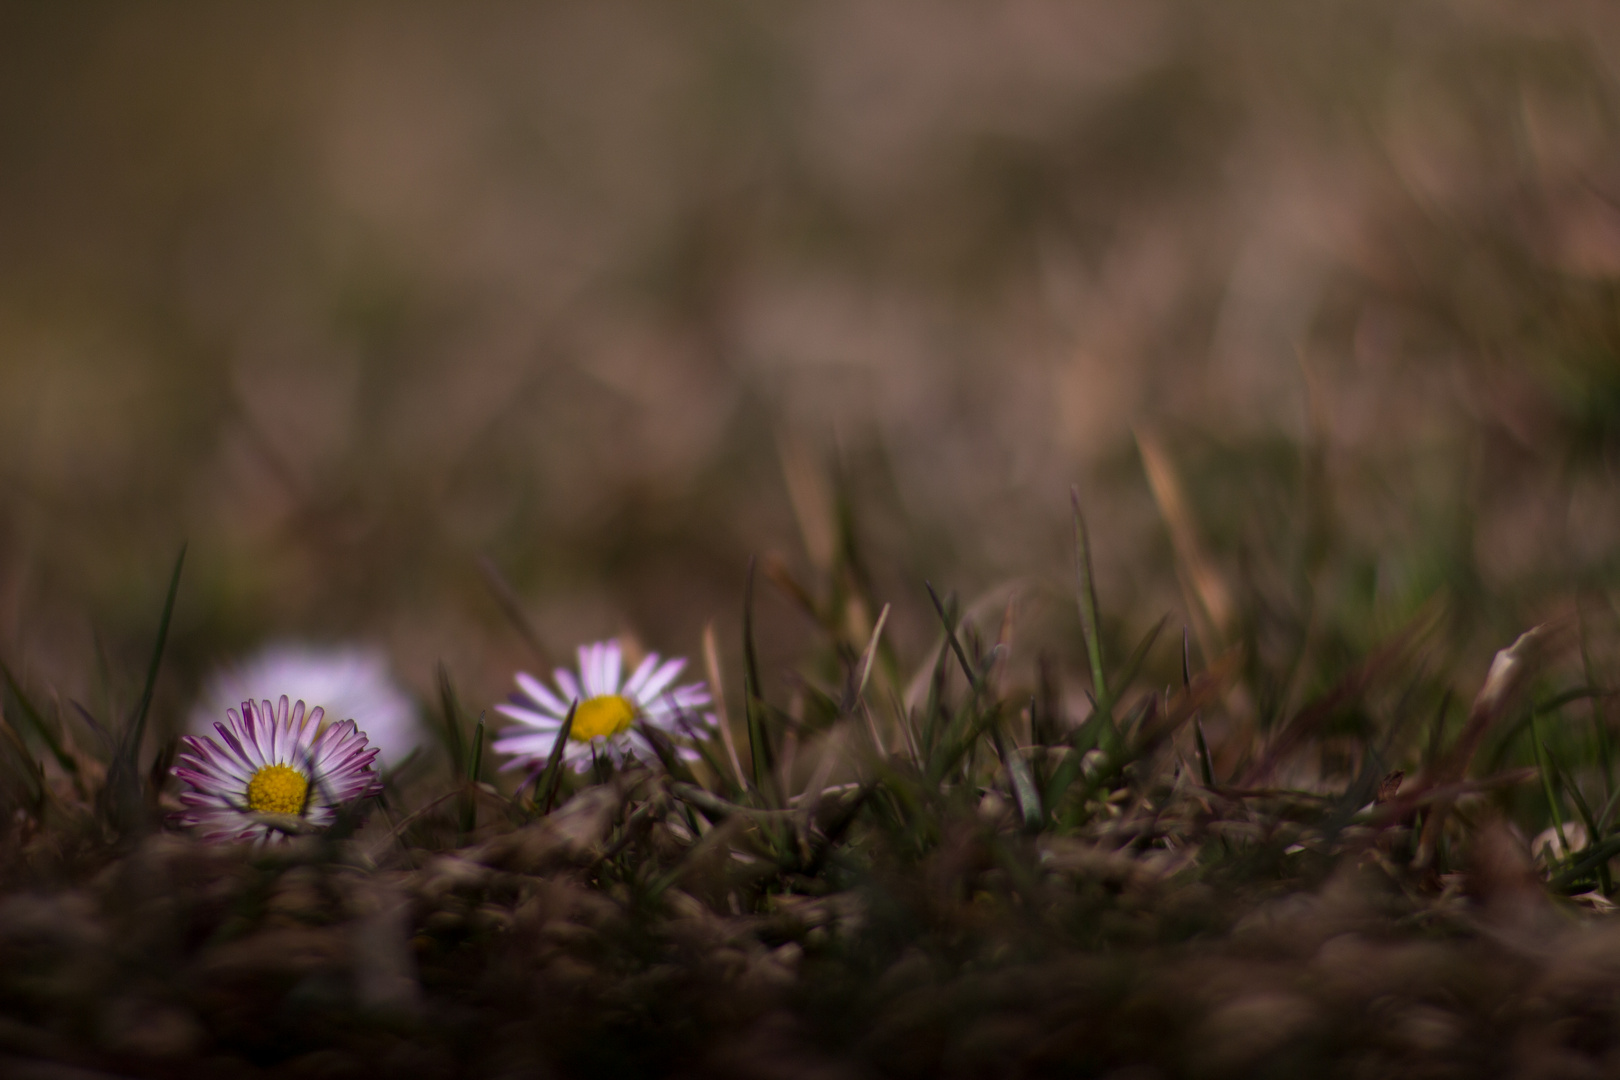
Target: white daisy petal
273	759
528	716
632	685
598	671
609	705
539	694
585	656
527	748
659	679
566	683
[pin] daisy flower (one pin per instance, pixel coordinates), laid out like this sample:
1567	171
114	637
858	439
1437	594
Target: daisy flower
607	711
275	760
348	682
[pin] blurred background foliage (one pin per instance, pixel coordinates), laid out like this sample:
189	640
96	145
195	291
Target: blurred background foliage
359	298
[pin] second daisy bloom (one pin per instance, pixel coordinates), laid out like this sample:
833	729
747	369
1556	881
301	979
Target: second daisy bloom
604	721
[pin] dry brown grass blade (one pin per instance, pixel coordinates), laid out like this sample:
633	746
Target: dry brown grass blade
1208	597
711	663
778	574
1403	803
868	657
812	501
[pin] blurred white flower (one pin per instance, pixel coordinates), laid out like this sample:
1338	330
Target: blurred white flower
349	682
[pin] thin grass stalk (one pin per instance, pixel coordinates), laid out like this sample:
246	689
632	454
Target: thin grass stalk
1600	723
1206	767
450	715
1086	590
145	706
121	800
546	788
1547	784
711	662
469	806
760	750
511	605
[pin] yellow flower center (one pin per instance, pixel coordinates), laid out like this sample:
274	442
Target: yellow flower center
601	716
277	789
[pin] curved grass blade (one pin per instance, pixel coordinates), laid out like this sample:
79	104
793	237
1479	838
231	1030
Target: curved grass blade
122	803
138	728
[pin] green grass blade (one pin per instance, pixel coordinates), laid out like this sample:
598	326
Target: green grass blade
138	728
950	636
1579	868
545	789
469	806
1063	777
1086	587
1568	787
1600	723
1547	783
761	755
450	715
933	705
122	803
1026	797
478	751
1607	813
1206	767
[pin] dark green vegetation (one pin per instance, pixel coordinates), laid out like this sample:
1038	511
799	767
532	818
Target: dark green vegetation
945	877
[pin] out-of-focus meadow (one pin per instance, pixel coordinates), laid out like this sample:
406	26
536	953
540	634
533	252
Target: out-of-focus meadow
471	333
352	296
